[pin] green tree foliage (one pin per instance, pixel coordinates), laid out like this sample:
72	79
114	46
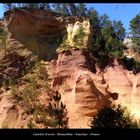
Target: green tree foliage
73	9
54	116
58	113
57	7
20	4
113	117
45	6
112	36
119	29
61	8
30	124
81	9
64	9
93	16
3	37
97	39
70	9
32	5
106	41
8	6
112	42
131	64
41	72
28	97
135	29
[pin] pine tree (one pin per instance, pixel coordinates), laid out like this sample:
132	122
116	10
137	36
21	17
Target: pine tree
73	9
82	9
93	16
32	5
112	46
61	8
57	7
3	37
104	20
30	124
113	117
119	29
107	36
135	29
58	112
65	10
97	38
20	4
45	6
8	6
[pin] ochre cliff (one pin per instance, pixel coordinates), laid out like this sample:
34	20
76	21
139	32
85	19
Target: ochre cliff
71	75
126	84
85	92
72	71
42	32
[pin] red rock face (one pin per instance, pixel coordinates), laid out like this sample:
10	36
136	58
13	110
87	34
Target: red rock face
87	96
71	72
84	92
126	84
116	76
38	30
66	64
71	75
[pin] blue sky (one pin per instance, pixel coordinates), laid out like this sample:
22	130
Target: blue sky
124	11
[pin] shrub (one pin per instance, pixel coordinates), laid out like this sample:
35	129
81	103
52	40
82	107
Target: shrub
29	99
61	40
11	81
113	117
128	62
42	72
40	114
23	72
57	112
30	124
14	92
136	67
131	64
44	116
4	84
3	37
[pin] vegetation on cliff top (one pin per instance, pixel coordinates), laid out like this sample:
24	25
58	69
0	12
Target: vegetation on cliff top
107	35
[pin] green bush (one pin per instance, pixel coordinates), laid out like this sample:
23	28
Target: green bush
14	92
30	124
4	84
57	112
131	64
42	73
40	115
27	97
52	116
3	38
113	117
61	40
